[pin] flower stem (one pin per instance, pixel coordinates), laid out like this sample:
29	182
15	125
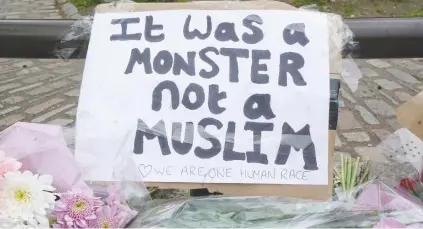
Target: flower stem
348	181
336	172
354	172
343	172
365	173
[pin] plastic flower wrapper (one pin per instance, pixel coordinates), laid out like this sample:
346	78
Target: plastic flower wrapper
375	204
223	212
29	199
41	149
250	212
45	166
350	74
82	208
394	208
102	204
404	151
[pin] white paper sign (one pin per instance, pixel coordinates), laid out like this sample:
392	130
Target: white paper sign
207	97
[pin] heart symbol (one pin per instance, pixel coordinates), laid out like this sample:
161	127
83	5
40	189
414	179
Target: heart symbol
145	170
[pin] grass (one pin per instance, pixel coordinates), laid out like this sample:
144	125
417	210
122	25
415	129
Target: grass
298	3
346	8
417	13
84	6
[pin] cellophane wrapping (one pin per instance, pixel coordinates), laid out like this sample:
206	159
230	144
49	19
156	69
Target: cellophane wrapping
48	168
373	205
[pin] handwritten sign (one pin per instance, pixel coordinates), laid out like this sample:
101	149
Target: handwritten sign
207	96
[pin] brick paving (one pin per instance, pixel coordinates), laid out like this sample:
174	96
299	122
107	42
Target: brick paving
43	91
29	9
46	91
367	115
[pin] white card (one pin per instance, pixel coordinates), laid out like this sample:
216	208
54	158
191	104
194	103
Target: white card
220	105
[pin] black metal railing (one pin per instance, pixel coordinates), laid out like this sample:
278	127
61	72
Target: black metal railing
376	38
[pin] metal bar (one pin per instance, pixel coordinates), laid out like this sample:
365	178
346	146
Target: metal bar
376	37
31	38
387	37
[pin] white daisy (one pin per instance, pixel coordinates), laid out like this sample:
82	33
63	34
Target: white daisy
27	196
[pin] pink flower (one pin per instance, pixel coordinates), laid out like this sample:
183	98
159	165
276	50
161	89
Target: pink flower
8	164
107	217
118	201
114	195
76	209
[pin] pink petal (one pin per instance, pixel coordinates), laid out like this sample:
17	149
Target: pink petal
69	224
91	217
60	221
10	160
107	211
67	218
113	194
58	210
114	210
81	223
98	203
99	212
9	166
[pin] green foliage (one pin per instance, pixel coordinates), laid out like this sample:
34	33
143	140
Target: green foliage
416	13
298	3
160	0
85	5
348	10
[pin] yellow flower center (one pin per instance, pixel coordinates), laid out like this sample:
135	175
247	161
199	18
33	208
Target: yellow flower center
79	206
105	225
22	196
52	220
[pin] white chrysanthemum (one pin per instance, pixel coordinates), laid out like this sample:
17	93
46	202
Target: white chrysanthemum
27	196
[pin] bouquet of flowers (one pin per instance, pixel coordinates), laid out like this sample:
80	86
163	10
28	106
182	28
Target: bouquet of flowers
405	150
351	174
376	205
41	186
361	202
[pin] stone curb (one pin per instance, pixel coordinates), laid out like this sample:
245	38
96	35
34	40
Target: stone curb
68	9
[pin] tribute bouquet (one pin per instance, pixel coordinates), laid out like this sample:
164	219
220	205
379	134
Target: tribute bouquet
407	149
375	205
40	184
388	199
